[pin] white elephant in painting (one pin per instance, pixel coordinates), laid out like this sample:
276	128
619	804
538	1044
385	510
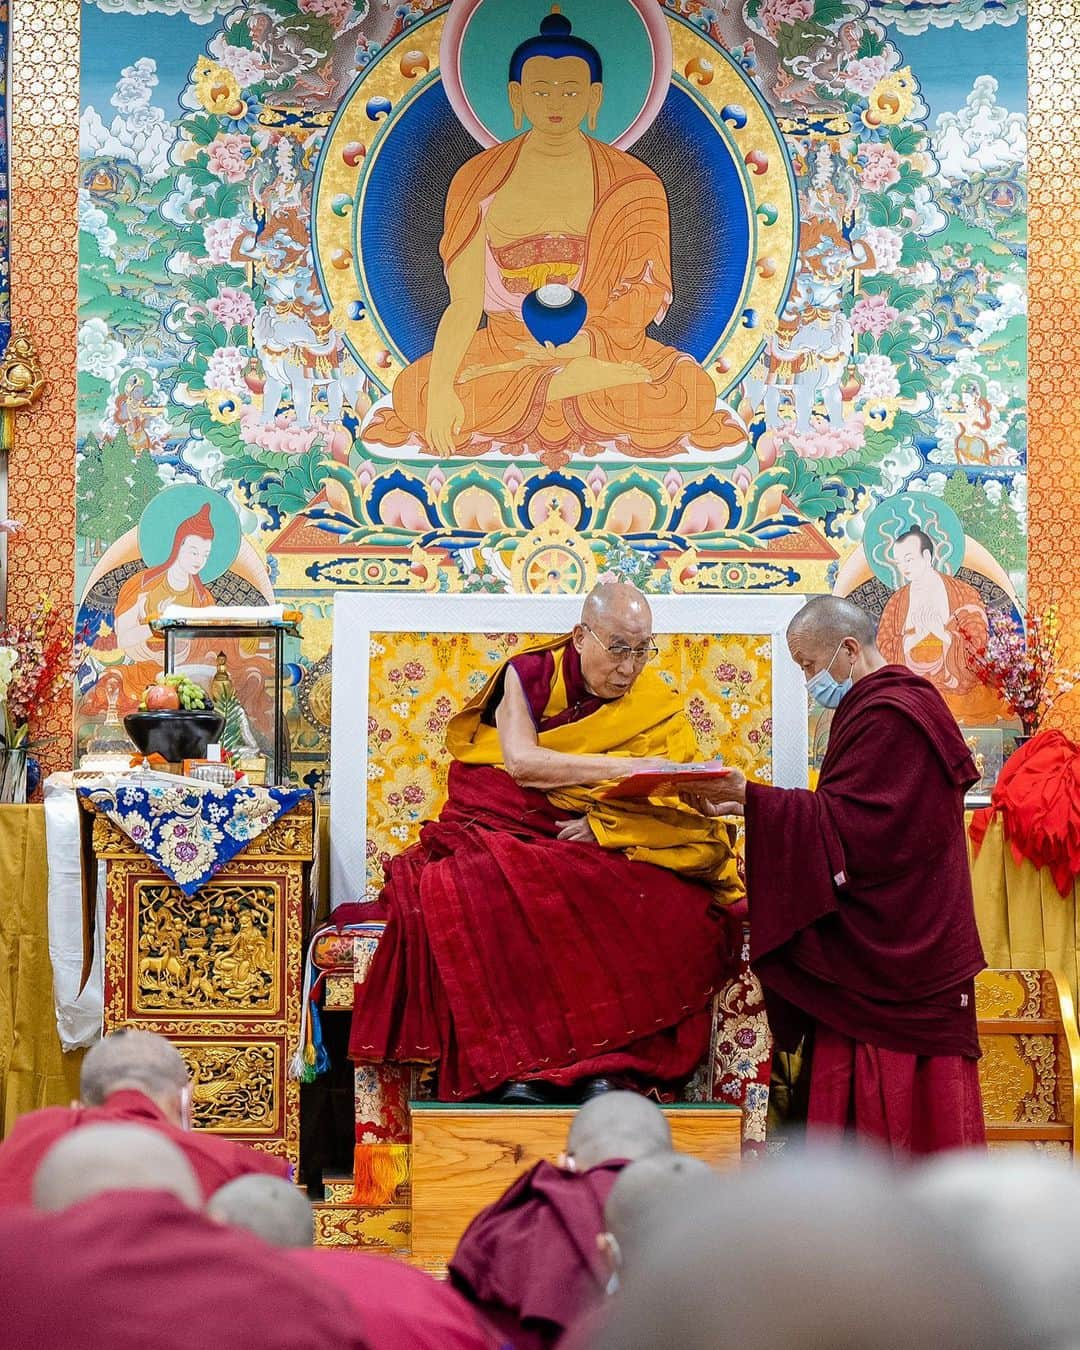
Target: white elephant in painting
805	360
294	356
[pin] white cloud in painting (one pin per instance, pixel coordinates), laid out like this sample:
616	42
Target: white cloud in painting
97	353
198	11
95	222
982	137
1011	301
139	132
970	14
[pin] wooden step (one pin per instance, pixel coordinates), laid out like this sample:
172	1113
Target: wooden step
464	1157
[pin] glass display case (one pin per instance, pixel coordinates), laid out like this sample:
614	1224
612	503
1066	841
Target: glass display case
242	667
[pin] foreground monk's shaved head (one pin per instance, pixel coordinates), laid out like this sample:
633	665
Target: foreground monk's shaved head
271	1207
131	1059
616	1125
827	620
824	1256
100	1158
646	1191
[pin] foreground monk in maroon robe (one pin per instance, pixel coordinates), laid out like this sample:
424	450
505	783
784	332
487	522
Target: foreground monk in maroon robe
111	1264
532	1262
540	935
862	925
140	1078
399	1308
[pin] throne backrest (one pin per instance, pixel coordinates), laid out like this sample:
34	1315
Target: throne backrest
404	664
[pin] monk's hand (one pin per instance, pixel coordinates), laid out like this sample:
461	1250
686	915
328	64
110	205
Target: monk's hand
706	807
728	790
626	767
446	413
576	830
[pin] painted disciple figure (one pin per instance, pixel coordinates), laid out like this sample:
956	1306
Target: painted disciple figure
175	582
555	207
130	413
933	622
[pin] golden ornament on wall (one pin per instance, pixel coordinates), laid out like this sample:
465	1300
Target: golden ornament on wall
22	379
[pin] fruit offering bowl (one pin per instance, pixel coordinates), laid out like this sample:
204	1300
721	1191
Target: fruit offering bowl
175	734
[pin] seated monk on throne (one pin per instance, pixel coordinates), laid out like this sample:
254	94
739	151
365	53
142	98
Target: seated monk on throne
540	938
554	210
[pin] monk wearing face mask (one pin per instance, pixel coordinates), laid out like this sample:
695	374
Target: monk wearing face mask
862	924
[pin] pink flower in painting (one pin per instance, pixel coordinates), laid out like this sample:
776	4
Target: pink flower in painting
221	236
861	75
226	158
828	441
282	435
881	167
414	795
414	670
232	306
225	368
774	13
873	314
879	378
337	11
886	246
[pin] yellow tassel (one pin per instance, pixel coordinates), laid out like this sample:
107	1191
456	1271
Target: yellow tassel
378	1171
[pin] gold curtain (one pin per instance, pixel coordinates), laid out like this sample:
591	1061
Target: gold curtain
1024	920
34	1071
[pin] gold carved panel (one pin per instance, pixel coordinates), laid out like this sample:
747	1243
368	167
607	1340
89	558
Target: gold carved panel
339	993
217	952
1010	994
1018	1076
236	1085
342	1225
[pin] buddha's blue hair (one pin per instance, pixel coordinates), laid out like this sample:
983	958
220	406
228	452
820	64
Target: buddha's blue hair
556	39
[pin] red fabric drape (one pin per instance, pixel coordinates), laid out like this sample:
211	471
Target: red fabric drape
510	954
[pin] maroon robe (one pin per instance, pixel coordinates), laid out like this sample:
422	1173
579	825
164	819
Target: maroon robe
512	955
213	1160
399	1308
530	1261
132	1269
861	913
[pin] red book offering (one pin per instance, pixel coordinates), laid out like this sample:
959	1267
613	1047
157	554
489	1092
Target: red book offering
667	782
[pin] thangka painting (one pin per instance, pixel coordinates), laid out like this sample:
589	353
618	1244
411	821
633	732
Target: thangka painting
503	295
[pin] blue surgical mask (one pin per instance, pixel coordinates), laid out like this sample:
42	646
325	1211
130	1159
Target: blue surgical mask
825	688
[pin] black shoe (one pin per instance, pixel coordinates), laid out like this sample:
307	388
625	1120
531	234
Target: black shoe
596	1087
525	1094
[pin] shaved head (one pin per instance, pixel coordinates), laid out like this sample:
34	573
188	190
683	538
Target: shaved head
827	620
613	602
97	1158
617	1125
649	1189
131	1059
817	1254
270	1207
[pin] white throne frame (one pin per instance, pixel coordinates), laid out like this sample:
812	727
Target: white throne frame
358	614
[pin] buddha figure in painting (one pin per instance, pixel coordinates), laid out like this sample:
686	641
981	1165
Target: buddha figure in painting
550	217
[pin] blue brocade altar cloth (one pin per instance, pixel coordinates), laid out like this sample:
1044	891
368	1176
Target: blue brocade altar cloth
190	830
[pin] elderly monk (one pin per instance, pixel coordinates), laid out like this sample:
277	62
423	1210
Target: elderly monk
862	925
134	1077
398	1307
532	1262
122	1261
539	934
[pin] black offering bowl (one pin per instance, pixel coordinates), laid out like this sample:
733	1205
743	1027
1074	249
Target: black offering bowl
175	734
